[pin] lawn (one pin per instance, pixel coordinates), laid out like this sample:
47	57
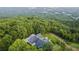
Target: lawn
73	44
60	44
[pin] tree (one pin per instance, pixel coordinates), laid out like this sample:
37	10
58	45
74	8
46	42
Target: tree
5	42
2	46
18	45
21	45
47	47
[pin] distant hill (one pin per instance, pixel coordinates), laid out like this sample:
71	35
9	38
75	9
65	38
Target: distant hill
66	13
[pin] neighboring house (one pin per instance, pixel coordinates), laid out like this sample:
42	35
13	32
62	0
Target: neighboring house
37	40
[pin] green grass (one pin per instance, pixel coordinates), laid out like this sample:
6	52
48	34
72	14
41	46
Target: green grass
57	47
59	44
75	45
52	37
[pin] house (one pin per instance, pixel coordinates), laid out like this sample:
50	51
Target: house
39	43
31	39
37	40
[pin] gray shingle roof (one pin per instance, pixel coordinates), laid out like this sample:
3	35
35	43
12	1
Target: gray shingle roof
31	39
37	40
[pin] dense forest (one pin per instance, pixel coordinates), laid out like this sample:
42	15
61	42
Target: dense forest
64	35
60	25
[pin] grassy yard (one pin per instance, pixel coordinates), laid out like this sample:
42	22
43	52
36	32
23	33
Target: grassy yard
57	43
73	44
52	37
60	44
